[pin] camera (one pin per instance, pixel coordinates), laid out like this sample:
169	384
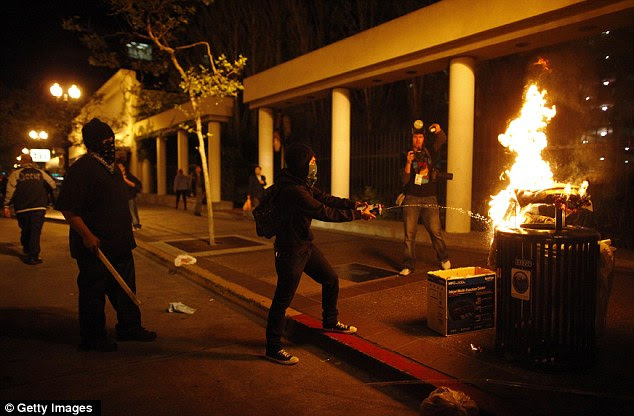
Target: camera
441	176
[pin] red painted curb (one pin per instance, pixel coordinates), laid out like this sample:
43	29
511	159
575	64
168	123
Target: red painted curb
418	371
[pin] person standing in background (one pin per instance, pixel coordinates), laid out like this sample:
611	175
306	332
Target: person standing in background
181	187
418	177
28	190
257	182
198	189
133	186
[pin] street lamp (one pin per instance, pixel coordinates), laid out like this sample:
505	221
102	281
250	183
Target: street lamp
73	92
42	135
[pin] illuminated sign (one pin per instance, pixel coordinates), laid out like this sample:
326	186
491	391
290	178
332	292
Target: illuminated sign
40	155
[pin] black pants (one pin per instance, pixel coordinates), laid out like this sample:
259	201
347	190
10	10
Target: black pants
95	282
180	194
289	266
31	223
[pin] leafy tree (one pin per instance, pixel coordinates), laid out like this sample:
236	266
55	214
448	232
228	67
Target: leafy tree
202	75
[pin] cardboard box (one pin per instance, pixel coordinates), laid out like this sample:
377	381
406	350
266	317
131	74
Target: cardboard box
460	300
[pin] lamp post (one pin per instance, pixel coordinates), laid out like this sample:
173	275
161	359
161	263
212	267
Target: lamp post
41	135
73	92
58	92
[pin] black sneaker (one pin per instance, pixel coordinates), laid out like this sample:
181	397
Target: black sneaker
282	357
102	345
32	260
139	334
341	328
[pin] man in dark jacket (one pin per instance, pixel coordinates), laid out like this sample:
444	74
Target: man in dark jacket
28	190
297	203
94	202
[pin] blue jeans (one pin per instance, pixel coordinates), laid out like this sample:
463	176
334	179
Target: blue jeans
431	221
134	212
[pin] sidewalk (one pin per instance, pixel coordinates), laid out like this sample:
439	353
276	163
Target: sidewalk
390	311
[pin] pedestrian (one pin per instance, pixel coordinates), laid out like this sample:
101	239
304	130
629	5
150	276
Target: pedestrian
198	189
28	190
255	191
133	187
181	188
297	203
420	187
94	202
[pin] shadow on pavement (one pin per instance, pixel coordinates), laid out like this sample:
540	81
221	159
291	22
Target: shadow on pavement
47	324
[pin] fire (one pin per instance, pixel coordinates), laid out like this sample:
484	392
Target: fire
526	138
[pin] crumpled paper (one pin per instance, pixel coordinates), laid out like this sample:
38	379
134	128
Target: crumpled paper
184	259
447	402
180	307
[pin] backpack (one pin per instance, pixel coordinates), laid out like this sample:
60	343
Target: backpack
265	213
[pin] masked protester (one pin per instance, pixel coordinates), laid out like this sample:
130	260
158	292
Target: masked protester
94	202
421	188
298	203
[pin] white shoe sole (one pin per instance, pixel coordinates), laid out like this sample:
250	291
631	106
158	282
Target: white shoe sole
289	362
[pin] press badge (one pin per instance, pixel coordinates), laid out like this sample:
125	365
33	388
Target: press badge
420	179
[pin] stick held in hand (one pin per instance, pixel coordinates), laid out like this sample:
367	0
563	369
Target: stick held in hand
118	277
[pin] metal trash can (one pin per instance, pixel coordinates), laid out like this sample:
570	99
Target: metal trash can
546	294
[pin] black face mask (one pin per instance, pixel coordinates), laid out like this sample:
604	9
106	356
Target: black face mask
106	151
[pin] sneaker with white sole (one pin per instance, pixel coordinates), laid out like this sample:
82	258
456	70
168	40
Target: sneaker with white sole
282	357
446	265
341	328
405	272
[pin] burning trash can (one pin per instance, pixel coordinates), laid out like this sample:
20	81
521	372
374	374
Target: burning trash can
546	292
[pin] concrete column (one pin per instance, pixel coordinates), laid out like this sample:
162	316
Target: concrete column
146	175
265	143
340	156
213	159
161	166
134	158
183	150
460	143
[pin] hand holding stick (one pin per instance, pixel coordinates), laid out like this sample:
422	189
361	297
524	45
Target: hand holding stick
118	277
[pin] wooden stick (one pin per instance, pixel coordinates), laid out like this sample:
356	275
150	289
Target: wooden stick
118	277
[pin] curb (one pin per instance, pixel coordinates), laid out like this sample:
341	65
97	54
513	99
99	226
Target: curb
414	376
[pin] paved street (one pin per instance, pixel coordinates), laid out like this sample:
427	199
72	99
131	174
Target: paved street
394	347
202	364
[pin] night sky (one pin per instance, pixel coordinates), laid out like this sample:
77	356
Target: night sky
36	50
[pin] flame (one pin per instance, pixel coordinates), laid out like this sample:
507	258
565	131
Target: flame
543	63
526	138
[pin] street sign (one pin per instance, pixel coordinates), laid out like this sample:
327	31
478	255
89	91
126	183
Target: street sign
40	155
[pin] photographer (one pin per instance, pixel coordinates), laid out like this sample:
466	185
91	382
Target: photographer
419	178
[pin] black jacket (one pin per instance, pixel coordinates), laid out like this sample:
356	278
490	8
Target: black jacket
297	204
28	189
256	189
100	199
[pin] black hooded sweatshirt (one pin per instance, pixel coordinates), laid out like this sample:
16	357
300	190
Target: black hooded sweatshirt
298	204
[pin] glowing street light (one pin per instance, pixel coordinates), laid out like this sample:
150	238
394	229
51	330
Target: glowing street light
73	92
25	151
42	135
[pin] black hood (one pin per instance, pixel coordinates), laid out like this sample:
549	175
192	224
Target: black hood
298	156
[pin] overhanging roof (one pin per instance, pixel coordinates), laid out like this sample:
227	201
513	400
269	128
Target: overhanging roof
425	40
211	109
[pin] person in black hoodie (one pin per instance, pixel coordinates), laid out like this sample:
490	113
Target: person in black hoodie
297	203
94	202
28	190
